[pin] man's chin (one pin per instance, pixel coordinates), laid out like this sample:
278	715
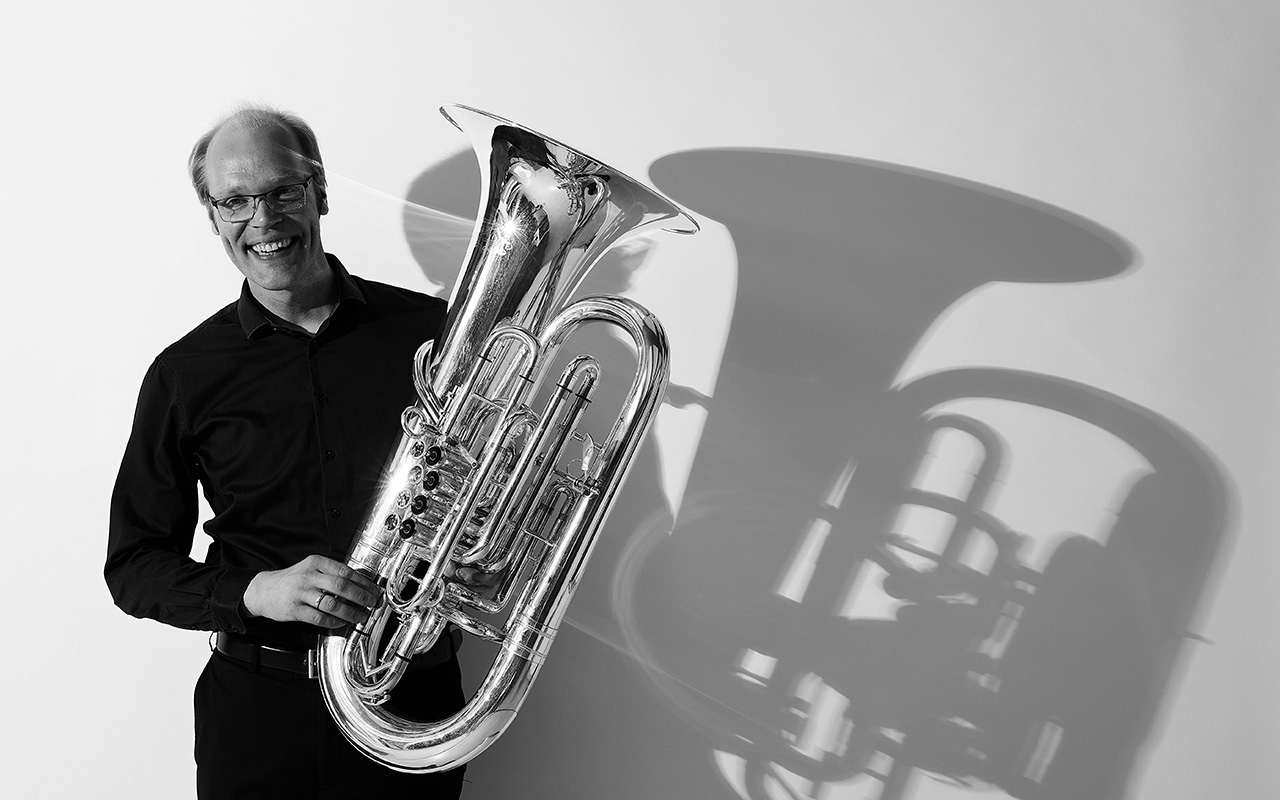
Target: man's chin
280	274
272	277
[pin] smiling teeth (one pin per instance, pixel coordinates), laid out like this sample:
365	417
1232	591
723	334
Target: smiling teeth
271	247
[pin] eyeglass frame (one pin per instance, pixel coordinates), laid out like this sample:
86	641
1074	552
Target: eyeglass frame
261	196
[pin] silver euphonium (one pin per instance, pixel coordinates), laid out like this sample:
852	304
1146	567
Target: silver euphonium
479	477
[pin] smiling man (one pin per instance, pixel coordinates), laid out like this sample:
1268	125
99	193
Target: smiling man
265	203
280	409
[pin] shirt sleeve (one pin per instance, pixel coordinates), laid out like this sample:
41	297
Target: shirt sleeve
154	509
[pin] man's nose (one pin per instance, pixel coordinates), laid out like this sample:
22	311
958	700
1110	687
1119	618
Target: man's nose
263	213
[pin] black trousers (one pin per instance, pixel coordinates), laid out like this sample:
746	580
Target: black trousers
266	734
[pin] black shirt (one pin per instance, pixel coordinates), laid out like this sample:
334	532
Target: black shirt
286	434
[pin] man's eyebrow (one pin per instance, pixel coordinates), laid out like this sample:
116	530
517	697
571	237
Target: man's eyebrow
238	187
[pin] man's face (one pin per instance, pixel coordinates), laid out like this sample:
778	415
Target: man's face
275	251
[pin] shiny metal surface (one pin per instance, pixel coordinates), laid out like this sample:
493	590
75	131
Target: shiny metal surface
480	477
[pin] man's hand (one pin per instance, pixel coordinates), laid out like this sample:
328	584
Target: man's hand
316	590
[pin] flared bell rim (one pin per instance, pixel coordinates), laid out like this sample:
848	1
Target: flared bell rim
680	221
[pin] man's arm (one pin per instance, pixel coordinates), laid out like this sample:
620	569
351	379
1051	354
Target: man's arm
154	509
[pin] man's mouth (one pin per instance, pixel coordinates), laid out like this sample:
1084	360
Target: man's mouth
268	248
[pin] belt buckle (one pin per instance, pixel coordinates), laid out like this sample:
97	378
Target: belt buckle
313	664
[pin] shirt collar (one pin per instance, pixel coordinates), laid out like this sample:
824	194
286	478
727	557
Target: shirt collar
257	321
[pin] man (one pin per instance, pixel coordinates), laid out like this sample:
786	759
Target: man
282	406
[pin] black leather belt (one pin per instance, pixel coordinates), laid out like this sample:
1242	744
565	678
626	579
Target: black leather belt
306	663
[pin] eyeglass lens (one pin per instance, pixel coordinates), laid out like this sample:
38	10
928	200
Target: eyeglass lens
240	208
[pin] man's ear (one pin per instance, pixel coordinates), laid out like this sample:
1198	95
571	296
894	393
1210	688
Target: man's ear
322	202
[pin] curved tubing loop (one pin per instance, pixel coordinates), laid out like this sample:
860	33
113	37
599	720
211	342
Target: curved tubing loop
652	367
544	446
373	675
490	368
536	480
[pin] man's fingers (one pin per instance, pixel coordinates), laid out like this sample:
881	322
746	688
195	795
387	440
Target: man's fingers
322	619
334	611
341	580
358	594
331	567
317	590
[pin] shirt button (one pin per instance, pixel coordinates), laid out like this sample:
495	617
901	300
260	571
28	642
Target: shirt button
324	399
329	454
335	512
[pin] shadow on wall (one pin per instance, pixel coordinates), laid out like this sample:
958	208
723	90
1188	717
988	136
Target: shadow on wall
825	615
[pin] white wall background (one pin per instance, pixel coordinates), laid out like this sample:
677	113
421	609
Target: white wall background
1153	121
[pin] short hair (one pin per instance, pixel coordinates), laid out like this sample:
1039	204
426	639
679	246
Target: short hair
258	116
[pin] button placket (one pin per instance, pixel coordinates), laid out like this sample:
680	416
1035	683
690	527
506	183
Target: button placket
324	422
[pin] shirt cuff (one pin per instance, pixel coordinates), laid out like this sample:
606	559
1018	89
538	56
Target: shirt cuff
227	604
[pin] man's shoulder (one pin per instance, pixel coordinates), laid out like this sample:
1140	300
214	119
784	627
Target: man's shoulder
388	298
395	312
219	329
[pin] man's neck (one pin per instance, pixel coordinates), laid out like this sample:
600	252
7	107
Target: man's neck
307	307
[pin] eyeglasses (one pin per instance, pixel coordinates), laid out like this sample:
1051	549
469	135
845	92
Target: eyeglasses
282	199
